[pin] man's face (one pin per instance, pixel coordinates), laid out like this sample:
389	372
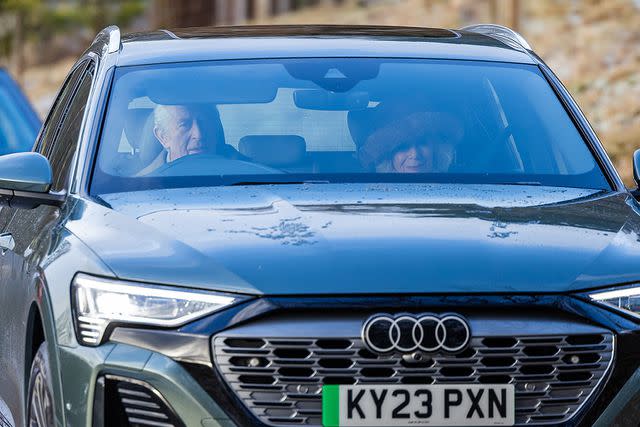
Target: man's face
182	132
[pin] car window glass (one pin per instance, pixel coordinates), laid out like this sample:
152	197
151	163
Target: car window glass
529	122
52	123
67	138
322	130
339	120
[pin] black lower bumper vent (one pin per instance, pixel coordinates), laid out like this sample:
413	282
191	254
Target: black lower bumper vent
121	401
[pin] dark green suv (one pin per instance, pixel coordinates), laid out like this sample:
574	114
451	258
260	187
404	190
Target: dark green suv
338	226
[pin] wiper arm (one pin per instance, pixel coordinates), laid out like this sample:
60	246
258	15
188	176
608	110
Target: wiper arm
310	181
102	201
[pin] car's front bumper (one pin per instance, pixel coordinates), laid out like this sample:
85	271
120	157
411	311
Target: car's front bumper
82	367
199	395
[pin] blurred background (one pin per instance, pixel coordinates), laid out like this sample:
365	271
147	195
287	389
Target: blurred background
593	45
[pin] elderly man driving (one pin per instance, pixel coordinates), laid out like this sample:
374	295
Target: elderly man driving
184	130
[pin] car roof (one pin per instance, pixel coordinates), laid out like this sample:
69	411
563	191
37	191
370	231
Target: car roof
296	41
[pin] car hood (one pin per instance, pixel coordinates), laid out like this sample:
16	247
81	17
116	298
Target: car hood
367	239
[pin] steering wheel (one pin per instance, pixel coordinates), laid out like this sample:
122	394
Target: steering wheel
211	164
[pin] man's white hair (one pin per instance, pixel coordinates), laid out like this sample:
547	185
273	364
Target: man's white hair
161	114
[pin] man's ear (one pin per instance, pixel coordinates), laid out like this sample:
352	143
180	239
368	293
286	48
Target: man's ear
159	134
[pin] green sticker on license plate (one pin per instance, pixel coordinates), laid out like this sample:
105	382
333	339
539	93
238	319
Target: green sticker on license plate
411	405
330	406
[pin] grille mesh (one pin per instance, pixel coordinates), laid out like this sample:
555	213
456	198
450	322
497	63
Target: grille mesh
280	380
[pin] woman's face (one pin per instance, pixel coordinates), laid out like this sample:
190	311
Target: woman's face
413	159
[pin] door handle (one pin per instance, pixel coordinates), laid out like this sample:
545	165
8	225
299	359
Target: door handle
6	242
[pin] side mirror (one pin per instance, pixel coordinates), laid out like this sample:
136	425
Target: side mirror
25	180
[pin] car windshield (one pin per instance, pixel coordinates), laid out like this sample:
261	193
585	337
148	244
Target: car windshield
249	122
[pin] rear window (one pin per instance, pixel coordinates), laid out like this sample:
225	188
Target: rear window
338	120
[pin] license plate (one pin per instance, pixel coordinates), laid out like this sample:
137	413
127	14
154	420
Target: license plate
415	405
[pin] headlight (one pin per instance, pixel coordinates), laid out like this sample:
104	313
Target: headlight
98	302
625	298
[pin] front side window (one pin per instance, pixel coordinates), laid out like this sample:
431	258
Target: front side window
53	122
66	141
337	120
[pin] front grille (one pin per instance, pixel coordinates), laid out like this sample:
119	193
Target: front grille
280	379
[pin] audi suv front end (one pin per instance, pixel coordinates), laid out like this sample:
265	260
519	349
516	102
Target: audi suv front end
317	226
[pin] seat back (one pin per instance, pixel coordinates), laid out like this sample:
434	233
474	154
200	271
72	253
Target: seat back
274	150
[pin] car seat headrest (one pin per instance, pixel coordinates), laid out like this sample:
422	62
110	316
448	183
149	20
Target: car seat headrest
134	123
150	147
273	150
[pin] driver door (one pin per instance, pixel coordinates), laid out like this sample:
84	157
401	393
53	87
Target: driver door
30	238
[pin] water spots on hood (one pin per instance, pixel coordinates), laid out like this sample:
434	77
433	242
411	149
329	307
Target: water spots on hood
289	231
499	230
140	203
501	234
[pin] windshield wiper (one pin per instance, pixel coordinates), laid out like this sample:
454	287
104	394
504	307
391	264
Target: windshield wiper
309	181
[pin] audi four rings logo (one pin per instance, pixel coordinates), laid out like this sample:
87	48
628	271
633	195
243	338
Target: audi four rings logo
385	333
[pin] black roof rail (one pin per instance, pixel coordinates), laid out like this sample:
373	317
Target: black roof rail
501	33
